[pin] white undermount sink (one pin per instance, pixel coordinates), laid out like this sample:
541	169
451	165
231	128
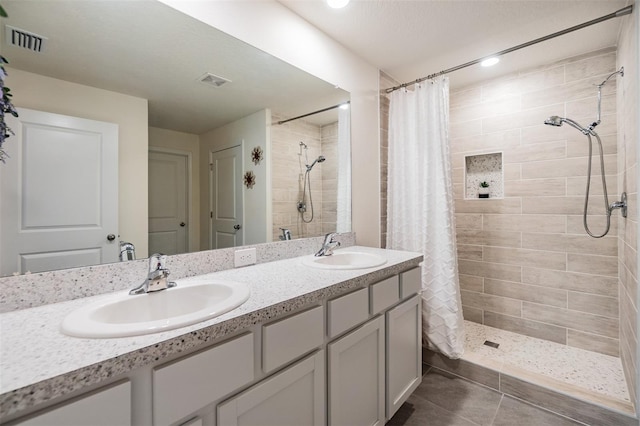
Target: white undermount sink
345	260
124	315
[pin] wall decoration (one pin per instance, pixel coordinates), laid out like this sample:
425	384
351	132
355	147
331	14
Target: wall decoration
484	169
256	155
249	179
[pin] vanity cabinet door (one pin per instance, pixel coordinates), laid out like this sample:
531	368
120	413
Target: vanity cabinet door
404	352
105	407
357	376
293	397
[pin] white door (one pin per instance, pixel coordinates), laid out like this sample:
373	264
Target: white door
168	202
58	193
226	198
356	376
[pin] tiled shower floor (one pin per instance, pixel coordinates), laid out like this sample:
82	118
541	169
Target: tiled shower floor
593	371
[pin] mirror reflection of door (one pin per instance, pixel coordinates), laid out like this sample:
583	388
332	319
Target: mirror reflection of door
58	193
226	198
168	201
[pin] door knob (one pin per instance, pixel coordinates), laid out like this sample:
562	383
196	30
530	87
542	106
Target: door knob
182	224
236	227
111	237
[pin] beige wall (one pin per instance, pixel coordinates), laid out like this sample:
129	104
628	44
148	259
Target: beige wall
249	132
386	82
129	113
190	144
526	264
628	122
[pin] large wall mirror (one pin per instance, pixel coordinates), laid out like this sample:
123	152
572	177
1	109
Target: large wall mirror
205	156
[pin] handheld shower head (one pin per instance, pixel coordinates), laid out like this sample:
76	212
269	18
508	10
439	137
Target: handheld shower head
554	120
320	159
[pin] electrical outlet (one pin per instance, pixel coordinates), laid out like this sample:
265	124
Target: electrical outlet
244	257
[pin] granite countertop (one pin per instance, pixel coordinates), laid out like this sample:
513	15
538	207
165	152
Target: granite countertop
38	362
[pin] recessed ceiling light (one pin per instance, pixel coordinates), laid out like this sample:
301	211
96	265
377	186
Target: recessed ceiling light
490	61
337	4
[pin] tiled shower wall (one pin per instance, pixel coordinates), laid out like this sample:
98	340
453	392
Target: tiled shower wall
526	264
385	83
627	101
288	169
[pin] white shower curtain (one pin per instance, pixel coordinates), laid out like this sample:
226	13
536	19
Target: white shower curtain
343	219
420	210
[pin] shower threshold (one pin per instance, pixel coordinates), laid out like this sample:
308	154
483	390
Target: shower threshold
587	386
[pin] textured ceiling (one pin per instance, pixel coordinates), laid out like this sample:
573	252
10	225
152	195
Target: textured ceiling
412	39
146	49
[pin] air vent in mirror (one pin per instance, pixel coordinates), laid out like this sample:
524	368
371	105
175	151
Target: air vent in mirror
25	39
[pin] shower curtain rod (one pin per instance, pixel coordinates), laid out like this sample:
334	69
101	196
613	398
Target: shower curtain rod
624	11
314	112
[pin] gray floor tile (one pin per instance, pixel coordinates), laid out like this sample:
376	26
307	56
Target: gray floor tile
458	396
515	412
419	412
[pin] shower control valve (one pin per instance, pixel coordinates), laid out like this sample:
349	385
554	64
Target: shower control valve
302	206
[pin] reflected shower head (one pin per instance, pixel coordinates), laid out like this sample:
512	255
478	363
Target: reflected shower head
320	159
554	120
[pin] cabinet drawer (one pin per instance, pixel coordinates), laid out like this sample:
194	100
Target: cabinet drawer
189	384
106	407
410	282
384	294
291	337
347	311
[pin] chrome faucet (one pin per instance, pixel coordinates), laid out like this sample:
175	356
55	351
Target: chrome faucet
157	278
328	245
286	234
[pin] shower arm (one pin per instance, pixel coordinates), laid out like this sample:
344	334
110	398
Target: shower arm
595	123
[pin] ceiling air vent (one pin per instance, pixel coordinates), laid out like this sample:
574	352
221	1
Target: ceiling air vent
25	39
213	80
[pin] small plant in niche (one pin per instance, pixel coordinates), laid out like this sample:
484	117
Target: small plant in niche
483	192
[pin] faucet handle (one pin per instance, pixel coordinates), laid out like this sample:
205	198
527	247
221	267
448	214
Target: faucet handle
157	262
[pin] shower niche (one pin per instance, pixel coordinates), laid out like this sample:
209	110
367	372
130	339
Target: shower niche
480	169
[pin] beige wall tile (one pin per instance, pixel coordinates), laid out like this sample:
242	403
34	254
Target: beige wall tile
597	224
594	284
489	238
578	146
578	186
468	221
470	252
488	302
528	223
458	98
593	342
475	111
490	270
589	67
566	168
524	257
500	88
482	142
502	206
591	303
530	293
528	328
558	205
536	152
591	264
466	129
541	79
512	171
560	317
471	283
535	188
472	314
607	246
